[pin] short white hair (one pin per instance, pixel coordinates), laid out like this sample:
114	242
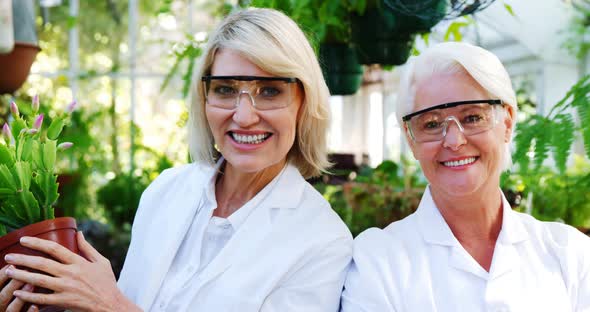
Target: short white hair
458	57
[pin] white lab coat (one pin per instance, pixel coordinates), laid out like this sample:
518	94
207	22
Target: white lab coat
416	264
290	254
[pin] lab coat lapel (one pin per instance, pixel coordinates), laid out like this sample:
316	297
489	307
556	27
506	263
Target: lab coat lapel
170	226
506	257
436	231
256	231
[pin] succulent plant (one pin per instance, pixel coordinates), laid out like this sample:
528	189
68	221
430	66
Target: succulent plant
28	182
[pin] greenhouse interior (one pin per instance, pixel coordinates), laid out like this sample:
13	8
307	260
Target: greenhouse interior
123	72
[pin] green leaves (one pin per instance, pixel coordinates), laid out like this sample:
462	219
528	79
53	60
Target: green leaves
555	133
55	128
28	185
5	155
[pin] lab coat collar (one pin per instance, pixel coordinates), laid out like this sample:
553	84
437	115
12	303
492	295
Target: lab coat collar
436	231
284	191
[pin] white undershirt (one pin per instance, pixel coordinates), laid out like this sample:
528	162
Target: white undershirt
213	232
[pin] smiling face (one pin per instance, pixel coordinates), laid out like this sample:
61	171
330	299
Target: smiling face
251	140
460	165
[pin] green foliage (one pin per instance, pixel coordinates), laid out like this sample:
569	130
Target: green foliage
27	180
552	196
577	41
377	197
120	196
190	51
539	135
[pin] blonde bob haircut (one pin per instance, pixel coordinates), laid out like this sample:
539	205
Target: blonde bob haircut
273	42
458	57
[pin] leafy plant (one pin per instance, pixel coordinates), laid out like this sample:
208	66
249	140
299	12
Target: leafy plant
539	135
188	51
28	183
577	40
377	196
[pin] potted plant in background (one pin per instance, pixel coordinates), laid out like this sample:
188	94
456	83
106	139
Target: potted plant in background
18	60
28	183
385	36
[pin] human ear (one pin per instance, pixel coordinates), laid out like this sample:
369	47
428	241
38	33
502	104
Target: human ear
508	122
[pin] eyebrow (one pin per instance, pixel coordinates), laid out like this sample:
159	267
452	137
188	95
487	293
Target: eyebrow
249	78
451	104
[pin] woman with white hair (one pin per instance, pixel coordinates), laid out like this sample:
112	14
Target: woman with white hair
465	249
239	229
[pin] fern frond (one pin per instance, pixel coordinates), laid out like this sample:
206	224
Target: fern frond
525	133
542	140
584	114
562	139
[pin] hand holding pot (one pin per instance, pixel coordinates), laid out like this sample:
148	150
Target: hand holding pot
6	294
79	283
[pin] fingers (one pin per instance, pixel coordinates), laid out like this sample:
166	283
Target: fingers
34	262
36	279
17	304
86	249
7	292
3	276
36	298
32	308
57	251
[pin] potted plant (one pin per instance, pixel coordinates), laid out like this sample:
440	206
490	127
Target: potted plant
18	61
385	36
28	183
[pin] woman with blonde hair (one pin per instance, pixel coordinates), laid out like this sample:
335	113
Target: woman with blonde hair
239	229
465	249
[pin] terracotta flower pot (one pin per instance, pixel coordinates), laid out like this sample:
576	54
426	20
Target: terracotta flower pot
60	230
16	66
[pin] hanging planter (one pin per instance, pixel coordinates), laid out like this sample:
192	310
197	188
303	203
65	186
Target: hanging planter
342	71
17	64
378	38
421	20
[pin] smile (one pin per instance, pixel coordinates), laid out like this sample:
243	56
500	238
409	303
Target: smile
250	138
457	163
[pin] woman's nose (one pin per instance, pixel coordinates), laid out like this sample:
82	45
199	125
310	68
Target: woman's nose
454	137
245	114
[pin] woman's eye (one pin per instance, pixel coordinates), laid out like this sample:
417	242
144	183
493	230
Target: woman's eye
224	90
429	125
473	119
269	92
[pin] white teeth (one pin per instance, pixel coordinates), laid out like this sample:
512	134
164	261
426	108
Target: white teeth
461	162
249	139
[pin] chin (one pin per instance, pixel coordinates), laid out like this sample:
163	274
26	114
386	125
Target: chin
458	187
249	163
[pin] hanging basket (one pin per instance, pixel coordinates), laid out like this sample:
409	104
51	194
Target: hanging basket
378	38
342	71
423	20
16	66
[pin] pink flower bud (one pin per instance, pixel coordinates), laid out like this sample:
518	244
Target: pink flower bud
38	122
14	110
7	134
71	107
35	105
65	146
32	131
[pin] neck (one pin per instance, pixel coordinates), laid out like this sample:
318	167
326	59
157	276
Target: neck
475	220
234	188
